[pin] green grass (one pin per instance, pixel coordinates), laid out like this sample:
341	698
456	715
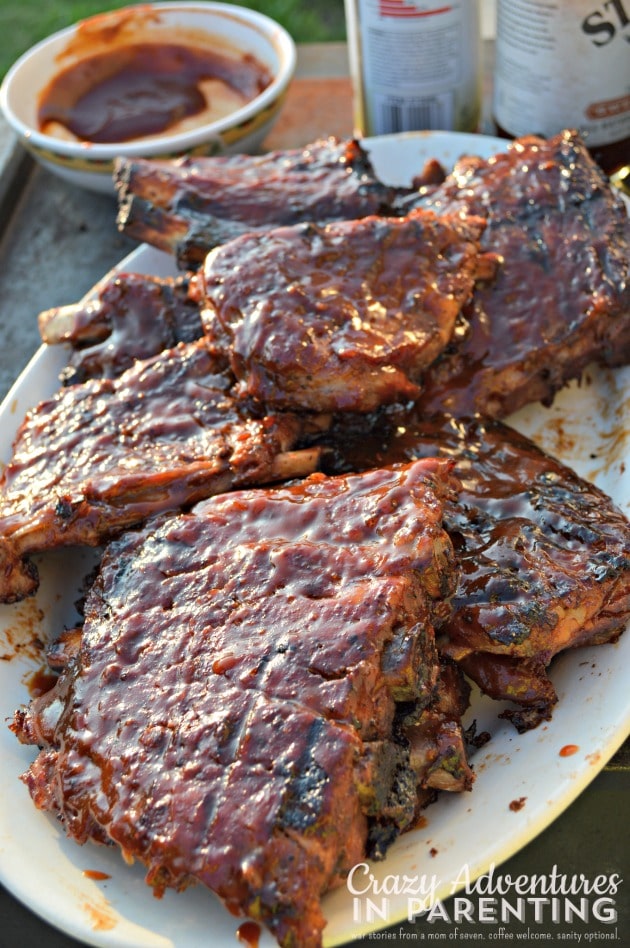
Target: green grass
24	23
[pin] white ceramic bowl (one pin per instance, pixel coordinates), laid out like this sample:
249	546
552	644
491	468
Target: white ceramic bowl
215	25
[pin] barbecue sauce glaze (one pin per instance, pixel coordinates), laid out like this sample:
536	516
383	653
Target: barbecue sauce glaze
538	549
218	772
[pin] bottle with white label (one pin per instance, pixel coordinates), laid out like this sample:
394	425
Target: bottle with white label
414	65
565	64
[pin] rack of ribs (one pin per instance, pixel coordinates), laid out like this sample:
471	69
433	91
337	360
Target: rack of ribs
190	205
561	237
561	296
340	316
230	712
102	456
128	316
544	555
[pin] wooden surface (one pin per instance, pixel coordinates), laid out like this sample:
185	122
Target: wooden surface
303	119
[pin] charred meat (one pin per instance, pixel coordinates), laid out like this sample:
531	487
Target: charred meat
229	713
561	296
544	555
343	316
437	743
190	205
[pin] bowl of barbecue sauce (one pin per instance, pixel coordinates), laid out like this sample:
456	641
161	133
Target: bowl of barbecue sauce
157	80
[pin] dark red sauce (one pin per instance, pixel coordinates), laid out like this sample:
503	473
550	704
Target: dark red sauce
142	89
516	805
40	682
568	750
249	934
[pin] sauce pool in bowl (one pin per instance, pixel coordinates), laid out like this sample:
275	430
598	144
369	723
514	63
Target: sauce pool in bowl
142	89
153	80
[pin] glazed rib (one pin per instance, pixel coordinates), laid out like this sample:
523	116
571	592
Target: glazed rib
561	297
343	316
103	456
544	555
259	651
190	205
127	317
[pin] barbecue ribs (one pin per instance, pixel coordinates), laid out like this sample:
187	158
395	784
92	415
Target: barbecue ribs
544	555
561	297
129	316
190	205
102	456
342	316
562	294
228	713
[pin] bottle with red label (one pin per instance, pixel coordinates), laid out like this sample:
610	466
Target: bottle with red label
565	64
414	64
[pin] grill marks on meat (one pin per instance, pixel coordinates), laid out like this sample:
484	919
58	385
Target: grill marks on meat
228	713
188	206
342	316
544	555
129	316
103	456
561	297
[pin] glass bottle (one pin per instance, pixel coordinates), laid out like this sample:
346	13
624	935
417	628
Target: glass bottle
414	65
565	64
